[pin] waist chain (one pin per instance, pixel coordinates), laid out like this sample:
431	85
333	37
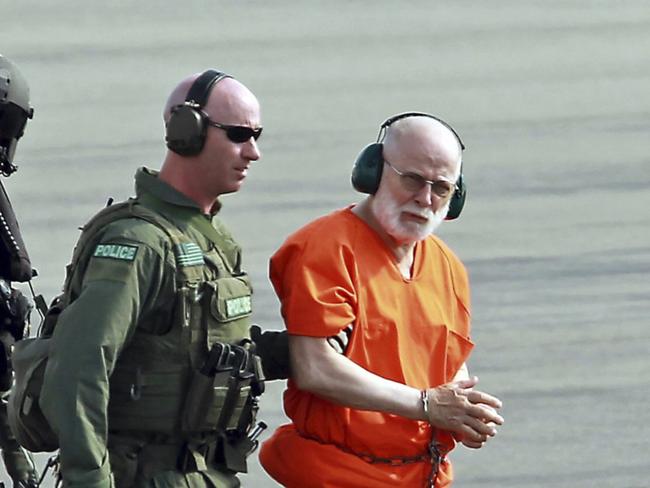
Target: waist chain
431	455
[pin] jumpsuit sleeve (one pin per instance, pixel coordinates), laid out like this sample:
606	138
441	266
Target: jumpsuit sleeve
122	281
315	281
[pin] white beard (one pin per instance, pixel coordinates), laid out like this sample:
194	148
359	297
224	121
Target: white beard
389	217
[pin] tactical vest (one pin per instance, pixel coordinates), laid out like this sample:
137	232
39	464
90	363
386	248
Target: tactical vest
157	384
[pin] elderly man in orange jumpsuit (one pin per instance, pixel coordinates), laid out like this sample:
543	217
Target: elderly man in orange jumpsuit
377	309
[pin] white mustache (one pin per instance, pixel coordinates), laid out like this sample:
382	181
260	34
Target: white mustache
428	214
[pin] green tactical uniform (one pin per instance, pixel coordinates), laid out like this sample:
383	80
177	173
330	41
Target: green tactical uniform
119	386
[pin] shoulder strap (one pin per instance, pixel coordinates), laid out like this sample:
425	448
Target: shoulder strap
91	232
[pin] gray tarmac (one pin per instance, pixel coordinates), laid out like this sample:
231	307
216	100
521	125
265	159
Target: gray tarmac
552	99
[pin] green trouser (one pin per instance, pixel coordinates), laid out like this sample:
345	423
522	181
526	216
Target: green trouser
141	464
174	479
18	461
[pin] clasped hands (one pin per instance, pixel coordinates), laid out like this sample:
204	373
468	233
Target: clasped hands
470	415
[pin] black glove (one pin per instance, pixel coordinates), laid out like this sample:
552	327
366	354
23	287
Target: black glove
272	347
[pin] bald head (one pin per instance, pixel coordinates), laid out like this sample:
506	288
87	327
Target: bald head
421	138
225	96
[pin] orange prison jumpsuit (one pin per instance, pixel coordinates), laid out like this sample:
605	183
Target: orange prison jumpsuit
337	271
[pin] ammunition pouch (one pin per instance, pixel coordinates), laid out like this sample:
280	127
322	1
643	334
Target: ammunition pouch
224	384
207	399
227	308
222	393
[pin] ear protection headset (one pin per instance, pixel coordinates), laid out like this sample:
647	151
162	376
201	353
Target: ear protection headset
368	168
187	125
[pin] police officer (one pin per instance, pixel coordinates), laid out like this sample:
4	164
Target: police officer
152	377
14	263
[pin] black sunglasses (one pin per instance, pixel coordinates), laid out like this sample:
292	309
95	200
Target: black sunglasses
237	133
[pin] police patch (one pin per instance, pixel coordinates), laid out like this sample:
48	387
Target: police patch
238	306
116	251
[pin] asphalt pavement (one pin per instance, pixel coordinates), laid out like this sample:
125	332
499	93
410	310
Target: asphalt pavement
552	100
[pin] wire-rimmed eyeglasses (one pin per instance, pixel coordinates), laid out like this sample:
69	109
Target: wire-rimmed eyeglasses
414	182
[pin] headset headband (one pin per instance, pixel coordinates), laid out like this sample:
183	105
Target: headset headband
390	121
200	89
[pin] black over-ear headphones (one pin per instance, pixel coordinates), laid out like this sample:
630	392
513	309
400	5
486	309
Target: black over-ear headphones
187	125
367	170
